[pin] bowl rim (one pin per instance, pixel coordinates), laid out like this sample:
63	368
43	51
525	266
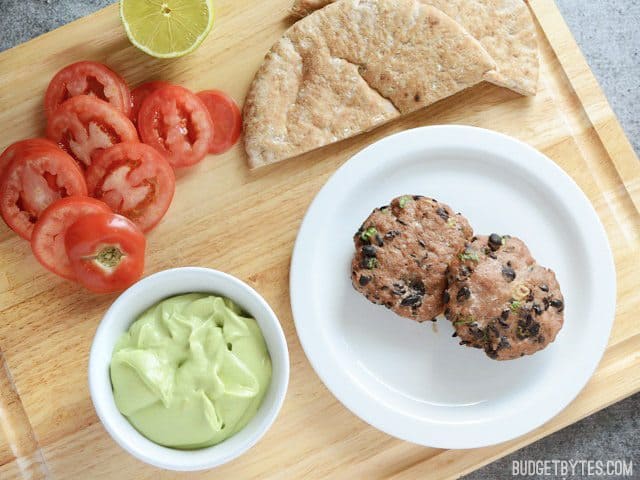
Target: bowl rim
119	428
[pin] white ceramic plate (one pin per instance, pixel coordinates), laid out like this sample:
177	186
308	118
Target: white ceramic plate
418	384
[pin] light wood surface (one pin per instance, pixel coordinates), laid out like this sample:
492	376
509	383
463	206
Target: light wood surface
244	223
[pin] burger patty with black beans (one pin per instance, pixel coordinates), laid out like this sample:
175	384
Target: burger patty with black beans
499	299
402	254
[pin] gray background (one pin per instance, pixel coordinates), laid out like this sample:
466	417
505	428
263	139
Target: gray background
608	31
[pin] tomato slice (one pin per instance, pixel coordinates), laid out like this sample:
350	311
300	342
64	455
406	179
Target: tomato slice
106	252
135	180
175	122
15	148
47	240
84	125
37	176
140	93
87	78
226	118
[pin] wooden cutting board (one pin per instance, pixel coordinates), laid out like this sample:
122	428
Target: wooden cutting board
245	223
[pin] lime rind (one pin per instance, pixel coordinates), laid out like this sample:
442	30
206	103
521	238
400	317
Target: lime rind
171	54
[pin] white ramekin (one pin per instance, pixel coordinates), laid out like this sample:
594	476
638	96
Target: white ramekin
127	308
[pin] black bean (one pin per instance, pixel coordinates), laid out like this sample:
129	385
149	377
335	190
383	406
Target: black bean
447	313
418	197
502	322
495	241
534	329
418	286
364	280
405	224
442	213
455	334
464	342
379	240
504	343
434	319
446	296
422	244
509	273
505	314
544	288
545	302
527	328
475	331
537	309
463	294
491	353
411	300
464	272
557	304
540	339
494	330
369	251
391	234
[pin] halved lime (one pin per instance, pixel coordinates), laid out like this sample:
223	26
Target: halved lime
167	28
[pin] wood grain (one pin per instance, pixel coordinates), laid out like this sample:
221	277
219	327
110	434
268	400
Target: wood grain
245	223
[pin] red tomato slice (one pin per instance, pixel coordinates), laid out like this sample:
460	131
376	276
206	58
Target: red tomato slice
36	177
175	122
15	148
106	252
139	94
226	118
135	180
87	78
47	240
84	125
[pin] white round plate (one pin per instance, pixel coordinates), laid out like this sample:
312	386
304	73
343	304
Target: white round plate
414	381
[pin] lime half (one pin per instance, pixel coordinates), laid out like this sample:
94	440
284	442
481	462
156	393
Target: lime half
167	28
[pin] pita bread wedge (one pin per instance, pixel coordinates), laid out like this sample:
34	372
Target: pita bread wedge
503	27
351	67
303	8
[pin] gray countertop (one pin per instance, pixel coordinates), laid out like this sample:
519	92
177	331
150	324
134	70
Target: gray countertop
608	33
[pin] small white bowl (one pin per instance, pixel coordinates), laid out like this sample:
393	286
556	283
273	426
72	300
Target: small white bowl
124	312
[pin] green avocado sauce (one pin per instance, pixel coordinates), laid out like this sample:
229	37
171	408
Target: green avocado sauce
191	371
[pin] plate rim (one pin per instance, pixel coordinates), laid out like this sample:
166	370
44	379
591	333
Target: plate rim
344	388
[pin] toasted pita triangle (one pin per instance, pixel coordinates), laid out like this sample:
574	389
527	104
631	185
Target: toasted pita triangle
503	27
352	66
